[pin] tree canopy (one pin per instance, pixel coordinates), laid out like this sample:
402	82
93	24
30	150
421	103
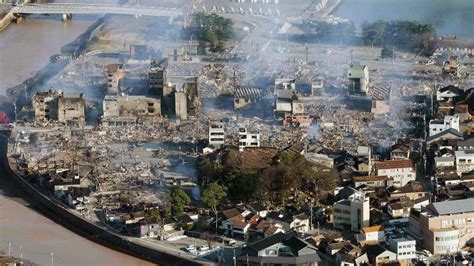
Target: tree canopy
406	35
179	200
209	28
213	195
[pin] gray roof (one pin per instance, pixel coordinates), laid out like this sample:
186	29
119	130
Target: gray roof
454	206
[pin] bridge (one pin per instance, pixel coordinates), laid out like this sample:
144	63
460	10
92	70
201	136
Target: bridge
95	9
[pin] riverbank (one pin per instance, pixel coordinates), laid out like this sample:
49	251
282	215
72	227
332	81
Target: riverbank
91	231
21	93
6	20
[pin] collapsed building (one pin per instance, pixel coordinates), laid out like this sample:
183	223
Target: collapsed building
59	106
451	66
157	77
246	95
180	97
125	109
179	94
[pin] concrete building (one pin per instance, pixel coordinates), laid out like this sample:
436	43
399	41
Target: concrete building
358	76
298	120
437	126
401	171
157	77
59	106
216	134
287	102
317	86
352	212
180	97
115	74
248	140
404	248
464	161
447	226
125	109
285	85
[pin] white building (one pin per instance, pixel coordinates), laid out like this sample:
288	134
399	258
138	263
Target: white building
401	171
373	234
216	134
464	161
248	140
404	248
352	212
450	121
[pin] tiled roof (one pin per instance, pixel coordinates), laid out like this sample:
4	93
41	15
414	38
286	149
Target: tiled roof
371	178
370	229
393	164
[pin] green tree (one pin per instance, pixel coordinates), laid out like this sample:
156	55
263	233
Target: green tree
154	213
179	200
387	52
212	196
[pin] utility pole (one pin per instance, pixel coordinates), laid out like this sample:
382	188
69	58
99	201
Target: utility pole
9	249
21	255
52	258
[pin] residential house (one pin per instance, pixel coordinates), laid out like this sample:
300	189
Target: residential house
150	228
401	171
400	151
350	255
372	181
449	93
378	255
287	222
464	161
372	234
279	249
450	134
449	121
404	248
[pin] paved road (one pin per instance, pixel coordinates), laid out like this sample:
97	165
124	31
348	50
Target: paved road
39	236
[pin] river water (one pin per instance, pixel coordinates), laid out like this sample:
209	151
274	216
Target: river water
24	49
448	16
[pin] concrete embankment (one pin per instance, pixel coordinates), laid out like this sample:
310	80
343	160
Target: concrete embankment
6	20
78	225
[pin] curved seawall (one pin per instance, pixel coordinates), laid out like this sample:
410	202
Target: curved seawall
78	225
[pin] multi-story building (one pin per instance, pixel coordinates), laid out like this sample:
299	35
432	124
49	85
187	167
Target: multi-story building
464	161
216	134
115	74
59	106
401	171
352	211
445	227
449	121
157	77
125	109
248	140
404	248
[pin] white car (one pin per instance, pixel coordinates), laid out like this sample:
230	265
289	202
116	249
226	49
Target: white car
190	248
